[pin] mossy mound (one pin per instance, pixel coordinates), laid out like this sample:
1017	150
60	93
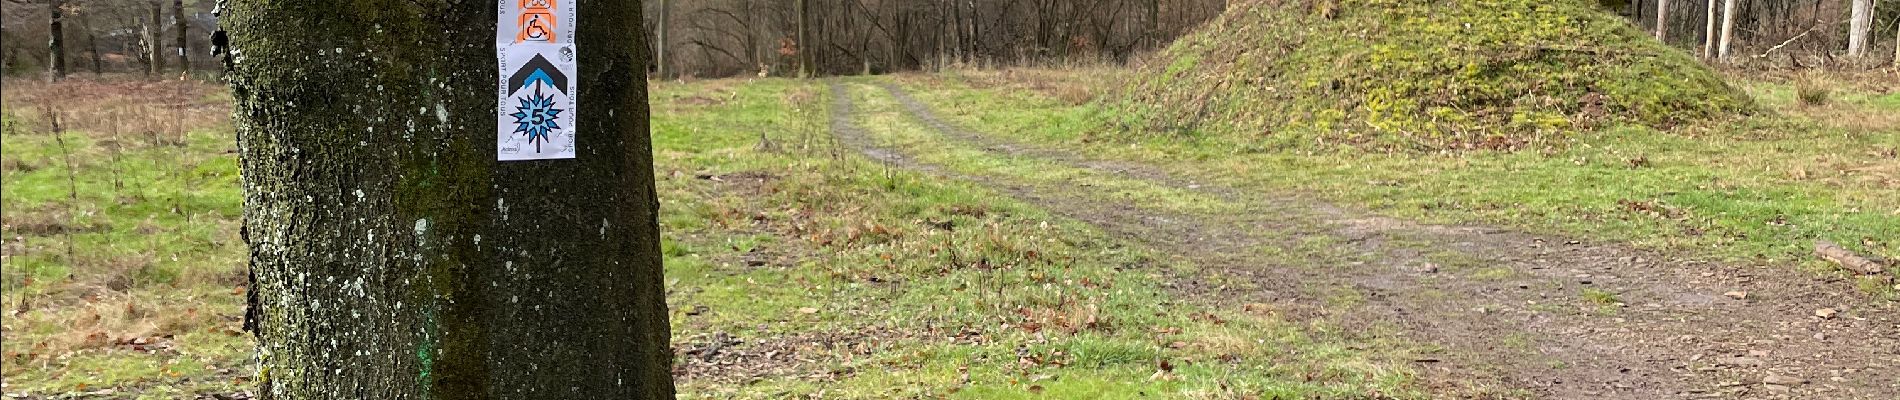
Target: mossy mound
1417	75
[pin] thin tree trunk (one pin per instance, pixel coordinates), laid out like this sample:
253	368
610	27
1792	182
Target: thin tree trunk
1662	21
179	25
56	45
663	46
1728	29
954	37
393	257
1154	23
152	32
138	49
1708	32
92	40
976	31
805	46
1860	28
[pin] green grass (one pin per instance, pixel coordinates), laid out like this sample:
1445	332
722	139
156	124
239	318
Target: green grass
1056	311
117	236
837	275
1605	301
834	274
1761	189
1412	76
892	127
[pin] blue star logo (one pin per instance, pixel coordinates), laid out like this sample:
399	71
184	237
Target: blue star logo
536	117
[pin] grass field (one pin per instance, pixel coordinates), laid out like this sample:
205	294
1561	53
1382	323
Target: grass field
123	269
1760	189
797	267
920	287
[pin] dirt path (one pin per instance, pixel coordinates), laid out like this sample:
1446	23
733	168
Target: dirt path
1518	314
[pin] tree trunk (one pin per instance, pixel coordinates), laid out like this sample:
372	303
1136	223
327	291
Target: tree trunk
393	257
661	47
140	51
956	30
976	31
1662	21
1728	29
56	45
92	40
1708	32
179	24
1860	28
805	46
1154	23
152	32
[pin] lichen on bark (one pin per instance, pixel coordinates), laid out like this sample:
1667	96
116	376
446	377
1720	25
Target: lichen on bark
393	256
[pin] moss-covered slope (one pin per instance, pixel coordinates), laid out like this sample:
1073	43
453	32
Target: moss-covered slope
1417	75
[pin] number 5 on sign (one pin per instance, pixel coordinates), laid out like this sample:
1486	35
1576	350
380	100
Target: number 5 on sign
536	105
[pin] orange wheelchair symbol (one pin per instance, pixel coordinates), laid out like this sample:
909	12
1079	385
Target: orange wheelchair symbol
536	22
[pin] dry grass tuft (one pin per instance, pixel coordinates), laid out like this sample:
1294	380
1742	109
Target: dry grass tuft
156	112
1811	93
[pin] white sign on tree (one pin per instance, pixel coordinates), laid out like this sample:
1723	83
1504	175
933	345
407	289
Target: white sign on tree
534	111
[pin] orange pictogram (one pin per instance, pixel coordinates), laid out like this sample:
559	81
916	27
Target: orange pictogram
536	21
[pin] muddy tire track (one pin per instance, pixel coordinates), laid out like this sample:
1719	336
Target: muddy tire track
1512	313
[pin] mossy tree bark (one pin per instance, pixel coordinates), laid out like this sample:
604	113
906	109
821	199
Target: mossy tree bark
393	257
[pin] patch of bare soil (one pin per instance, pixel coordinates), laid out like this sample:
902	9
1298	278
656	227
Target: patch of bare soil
726	359
1518	314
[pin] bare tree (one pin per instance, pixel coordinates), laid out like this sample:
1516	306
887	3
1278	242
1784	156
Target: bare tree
56	46
724	37
1728	29
151	39
178	24
92	43
663	41
804	45
1708	32
1154	22
87	27
1662	20
1860	28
